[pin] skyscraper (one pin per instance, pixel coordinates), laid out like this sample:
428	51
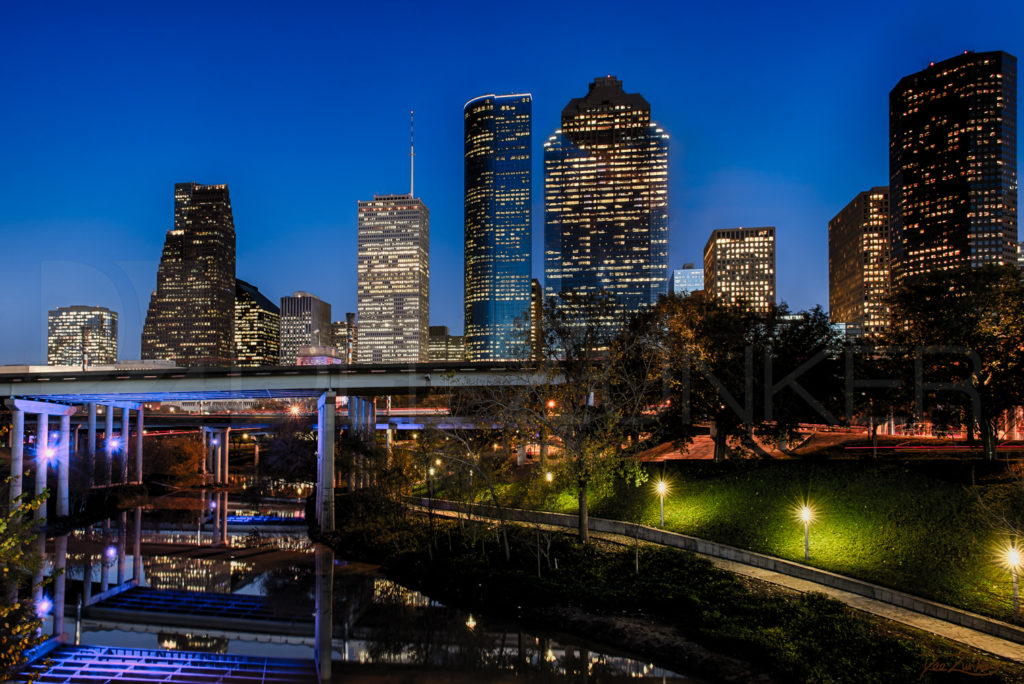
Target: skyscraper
445	346
345	336
305	322
739	267
393	289
536	320
257	327
686	280
859	261
192	311
498	227
606	200
953	164
81	336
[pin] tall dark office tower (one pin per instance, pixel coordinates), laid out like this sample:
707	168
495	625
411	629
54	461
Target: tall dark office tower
191	313
606	200
498	227
858	263
257	327
305	322
953	164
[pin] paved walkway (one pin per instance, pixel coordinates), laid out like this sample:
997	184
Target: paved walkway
964	635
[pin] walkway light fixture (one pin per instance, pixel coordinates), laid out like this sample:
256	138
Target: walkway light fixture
111	553
805	514
549	476
662	488
115	444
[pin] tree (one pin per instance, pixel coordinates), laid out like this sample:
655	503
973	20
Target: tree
19	623
964	326
739	371
580	401
177	459
291	455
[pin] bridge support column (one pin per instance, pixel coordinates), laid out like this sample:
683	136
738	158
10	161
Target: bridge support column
126	431
108	447
139	431
215	440
226	454
325	461
137	547
206	454
224	519
105	559
42	445
122	548
87	568
17	455
63	465
215	511
60	551
91	444
322	650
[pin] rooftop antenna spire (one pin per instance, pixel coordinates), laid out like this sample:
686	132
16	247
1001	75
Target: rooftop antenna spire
412	155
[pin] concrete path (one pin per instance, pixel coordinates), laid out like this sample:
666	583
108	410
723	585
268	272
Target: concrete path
964	635
973	638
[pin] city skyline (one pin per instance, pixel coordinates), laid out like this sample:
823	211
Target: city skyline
769	170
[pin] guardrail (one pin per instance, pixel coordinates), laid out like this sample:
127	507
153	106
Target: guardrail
997	628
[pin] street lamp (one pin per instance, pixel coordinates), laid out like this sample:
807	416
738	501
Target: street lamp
294	410
662	488
1013	561
805	514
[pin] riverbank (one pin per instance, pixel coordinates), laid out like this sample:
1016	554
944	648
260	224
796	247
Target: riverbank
679	610
935	529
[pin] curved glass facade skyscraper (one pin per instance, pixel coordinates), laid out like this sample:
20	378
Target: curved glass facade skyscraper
606	201
498	226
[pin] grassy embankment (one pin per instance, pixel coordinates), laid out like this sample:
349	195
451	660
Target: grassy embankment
920	528
678	610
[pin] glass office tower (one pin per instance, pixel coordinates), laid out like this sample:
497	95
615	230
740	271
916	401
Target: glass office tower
498	235
606	201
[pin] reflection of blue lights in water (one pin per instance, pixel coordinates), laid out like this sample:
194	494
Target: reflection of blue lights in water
253	519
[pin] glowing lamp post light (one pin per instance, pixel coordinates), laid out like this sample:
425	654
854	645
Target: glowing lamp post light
662	488
115	444
805	514
1013	561
549	476
111	553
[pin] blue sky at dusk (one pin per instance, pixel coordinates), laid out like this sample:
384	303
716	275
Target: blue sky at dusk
778	115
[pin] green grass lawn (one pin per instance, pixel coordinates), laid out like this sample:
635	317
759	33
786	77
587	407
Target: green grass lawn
891	524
